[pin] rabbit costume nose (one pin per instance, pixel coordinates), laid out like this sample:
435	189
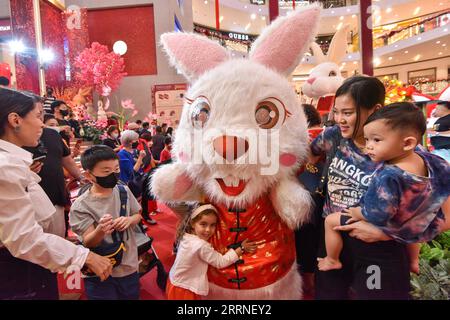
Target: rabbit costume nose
230	147
311	80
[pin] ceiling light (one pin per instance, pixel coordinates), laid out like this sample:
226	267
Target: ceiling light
355	62
376	62
253	16
247	26
389	10
332	11
341	18
445	30
390	58
353	15
206	2
440	53
396	46
264	18
344	63
339	26
348	10
439	41
416	58
221	19
245	7
416	11
444	44
406	51
349	56
259	9
419	38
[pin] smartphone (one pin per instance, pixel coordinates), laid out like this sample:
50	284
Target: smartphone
40	159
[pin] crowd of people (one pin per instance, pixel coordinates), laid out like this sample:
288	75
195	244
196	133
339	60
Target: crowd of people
382	193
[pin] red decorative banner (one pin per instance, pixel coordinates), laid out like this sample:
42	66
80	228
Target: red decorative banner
53	40
22	21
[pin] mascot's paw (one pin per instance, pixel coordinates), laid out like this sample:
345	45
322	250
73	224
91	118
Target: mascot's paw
171	183
292	202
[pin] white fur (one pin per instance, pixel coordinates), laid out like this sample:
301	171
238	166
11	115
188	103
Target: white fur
287	288
292	202
324	84
233	90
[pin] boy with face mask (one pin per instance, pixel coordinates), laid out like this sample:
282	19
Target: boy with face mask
95	215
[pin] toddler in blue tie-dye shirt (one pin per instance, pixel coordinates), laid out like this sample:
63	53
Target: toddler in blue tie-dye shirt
405	195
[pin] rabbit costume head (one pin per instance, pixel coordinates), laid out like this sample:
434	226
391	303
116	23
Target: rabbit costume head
325	78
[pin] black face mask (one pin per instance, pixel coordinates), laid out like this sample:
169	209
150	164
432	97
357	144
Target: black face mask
64	113
134	145
109	181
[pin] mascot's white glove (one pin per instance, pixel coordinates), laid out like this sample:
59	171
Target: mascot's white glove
171	183
292	202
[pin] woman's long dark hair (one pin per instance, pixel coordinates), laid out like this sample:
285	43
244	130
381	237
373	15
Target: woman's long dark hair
13	101
365	91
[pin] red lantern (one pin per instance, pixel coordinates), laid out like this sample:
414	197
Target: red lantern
5	74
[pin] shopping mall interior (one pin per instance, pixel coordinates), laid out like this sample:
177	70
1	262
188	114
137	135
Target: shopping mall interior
410	39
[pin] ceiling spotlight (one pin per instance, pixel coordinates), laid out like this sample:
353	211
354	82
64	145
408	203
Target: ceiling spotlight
253	16
444	44
16	46
46	55
440	53
439	41
416	11
376	62
390	58
389	10
264	18
416	58
419	38
206	2
341	18
406	51
120	47
355	62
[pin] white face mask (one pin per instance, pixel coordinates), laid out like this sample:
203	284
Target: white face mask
55	128
114	135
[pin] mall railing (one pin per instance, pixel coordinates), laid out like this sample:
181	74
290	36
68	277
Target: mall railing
415	27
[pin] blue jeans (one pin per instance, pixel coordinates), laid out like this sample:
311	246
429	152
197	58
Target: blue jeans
123	288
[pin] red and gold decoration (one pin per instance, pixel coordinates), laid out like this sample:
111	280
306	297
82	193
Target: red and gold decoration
22	21
395	91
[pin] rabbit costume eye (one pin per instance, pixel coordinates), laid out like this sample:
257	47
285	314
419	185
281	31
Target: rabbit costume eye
200	112
269	113
332	74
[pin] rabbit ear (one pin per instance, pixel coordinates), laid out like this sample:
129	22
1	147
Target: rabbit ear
317	53
282	44
192	54
338	45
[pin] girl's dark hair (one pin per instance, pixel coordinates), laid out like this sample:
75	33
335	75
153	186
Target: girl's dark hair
312	115
169	130
111	129
13	101
185	225
403	116
365	91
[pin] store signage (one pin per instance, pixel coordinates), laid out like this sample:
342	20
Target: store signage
258	2
5	27
288	4
238	36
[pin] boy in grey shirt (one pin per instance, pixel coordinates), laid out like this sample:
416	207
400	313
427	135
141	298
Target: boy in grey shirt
95	215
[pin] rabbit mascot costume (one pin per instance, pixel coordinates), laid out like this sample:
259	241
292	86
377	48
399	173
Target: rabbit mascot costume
325	78
242	136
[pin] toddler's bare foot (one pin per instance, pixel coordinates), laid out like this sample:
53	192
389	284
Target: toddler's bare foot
327	263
